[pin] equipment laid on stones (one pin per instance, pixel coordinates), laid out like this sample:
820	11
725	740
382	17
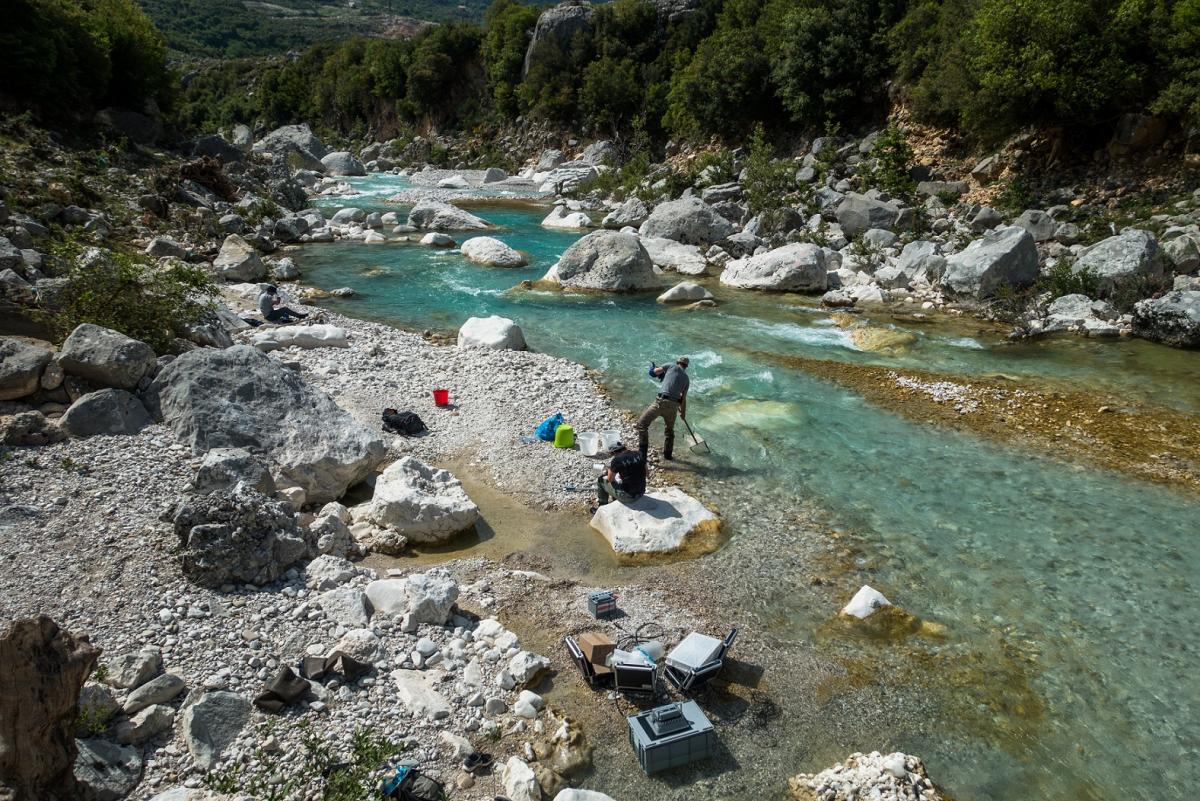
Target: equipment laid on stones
670	736
696	660
602	603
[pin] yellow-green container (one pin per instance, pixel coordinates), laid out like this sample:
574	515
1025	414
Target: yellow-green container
564	436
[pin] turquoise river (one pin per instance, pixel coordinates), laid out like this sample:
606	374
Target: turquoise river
1093	573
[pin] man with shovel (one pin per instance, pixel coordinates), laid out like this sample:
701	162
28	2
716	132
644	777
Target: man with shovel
670	402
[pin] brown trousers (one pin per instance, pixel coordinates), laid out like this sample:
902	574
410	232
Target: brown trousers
667	410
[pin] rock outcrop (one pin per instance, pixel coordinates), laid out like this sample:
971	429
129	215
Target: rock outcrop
492	252
238	261
608	261
889	778
44	669
688	220
105	357
430	214
21	366
342	163
107	411
858	213
555	26
659	522
494	333
1118	258
1173	319
1004	257
632	212
212	723
798	267
237	536
241	398
425	504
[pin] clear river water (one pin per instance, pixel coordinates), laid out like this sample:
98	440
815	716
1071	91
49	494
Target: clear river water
1090	575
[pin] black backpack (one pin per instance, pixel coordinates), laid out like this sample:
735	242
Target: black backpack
416	786
406	423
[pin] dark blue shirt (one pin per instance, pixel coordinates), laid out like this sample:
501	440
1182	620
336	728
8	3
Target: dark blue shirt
630	468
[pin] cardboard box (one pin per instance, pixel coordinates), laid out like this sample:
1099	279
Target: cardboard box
596	647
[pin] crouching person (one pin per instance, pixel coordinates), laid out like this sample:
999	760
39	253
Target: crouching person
625	478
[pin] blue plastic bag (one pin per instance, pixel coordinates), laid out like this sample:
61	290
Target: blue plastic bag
546	429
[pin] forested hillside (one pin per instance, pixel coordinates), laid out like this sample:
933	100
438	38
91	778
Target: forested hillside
684	69
233	29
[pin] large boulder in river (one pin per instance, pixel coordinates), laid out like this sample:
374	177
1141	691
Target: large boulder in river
425	504
434	215
688	220
342	163
667	254
241	398
109	411
1173	319
44	669
556	26
494	333
660	521
798	267
238	261
106	357
1003	257
21	366
1127	255
291	137
608	261
237	536
492	252
858	213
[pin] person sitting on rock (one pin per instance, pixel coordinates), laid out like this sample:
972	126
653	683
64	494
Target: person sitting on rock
670	402
625	478
267	302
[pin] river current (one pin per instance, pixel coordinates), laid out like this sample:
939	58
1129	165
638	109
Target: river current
1092	576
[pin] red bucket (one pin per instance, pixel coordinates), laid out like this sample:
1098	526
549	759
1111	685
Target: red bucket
441	397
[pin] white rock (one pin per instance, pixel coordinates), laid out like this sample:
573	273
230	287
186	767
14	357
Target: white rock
454	182
495	333
436	239
492	252
572	794
519	782
658	522
668	254
300	336
865	603
526	666
527	705
418	695
561	218
685	292
425	504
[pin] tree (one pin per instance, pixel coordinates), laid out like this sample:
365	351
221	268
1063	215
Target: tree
507	25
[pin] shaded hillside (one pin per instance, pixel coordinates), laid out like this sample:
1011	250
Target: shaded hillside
234	29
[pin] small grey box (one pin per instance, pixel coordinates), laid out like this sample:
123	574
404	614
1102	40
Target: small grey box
672	735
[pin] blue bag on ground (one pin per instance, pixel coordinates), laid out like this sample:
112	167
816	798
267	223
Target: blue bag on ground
546	429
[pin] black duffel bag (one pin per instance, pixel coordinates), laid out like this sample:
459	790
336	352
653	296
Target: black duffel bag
405	423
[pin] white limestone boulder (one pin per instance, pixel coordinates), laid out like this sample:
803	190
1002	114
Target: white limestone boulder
659	522
494	333
675	256
608	261
430	214
519	782
426	504
492	252
300	336
866	602
454	182
436	239
798	267
561	218
685	292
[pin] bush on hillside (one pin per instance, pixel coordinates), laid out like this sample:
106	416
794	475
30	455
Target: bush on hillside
124	292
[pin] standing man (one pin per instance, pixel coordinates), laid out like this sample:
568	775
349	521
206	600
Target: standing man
625	478
671	401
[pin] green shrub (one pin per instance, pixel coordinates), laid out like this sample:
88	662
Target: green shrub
768	183
125	293
893	162
1062	279
1015	195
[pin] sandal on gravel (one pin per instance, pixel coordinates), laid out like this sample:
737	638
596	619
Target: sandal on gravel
477	761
